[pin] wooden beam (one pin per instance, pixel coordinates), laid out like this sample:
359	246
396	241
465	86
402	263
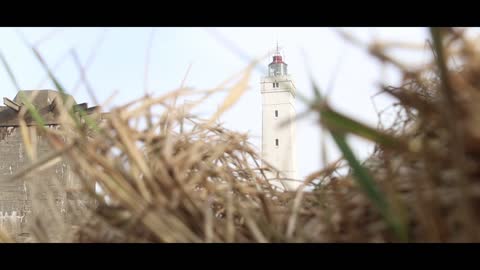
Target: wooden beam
93	109
81	106
12	104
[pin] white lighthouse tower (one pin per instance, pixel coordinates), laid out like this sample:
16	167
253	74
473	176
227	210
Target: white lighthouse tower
278	106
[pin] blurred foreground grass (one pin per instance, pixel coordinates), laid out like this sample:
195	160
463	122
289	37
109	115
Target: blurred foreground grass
185	179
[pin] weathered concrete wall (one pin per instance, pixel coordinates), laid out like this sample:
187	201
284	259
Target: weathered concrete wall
11	222
51	192
18	197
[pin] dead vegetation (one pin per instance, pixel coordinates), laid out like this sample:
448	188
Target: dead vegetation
168	176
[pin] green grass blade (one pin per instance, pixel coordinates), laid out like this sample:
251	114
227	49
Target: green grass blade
89	121
340	122
339	125
82	114
57	85
360	172
49	72
369	187
31	109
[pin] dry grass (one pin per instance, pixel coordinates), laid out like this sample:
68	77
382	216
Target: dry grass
172	177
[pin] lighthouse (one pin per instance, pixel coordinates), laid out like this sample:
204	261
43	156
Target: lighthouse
278	107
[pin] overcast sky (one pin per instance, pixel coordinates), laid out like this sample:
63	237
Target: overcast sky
118	64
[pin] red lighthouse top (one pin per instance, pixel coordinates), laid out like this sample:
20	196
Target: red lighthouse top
277	59
277	67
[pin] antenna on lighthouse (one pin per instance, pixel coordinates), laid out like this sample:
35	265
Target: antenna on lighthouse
277	50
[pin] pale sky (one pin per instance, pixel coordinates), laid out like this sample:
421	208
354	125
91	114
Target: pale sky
119	61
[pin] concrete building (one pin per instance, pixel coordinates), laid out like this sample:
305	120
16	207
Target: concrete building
278	106
16	196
